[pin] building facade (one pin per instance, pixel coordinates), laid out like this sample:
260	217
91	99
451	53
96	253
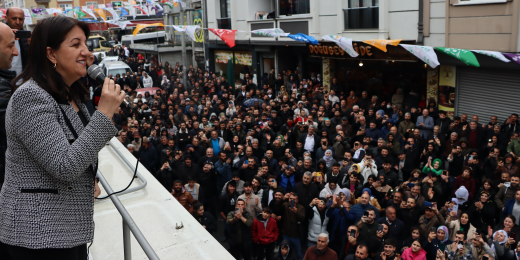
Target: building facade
467	24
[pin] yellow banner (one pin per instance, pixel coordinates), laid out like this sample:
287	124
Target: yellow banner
101	13
381	44
142	26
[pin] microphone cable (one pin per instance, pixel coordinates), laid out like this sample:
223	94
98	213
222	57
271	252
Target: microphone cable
116	192
107	196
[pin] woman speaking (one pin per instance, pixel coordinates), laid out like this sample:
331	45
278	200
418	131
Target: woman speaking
47	200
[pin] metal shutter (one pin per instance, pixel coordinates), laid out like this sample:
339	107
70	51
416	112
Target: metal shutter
487	93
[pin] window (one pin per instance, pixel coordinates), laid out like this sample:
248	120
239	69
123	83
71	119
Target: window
65	6
362	14
95	4
290	7
116	4
469	2
225	10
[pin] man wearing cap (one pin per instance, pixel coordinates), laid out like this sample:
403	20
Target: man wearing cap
404	166
444	123
275	121
148	155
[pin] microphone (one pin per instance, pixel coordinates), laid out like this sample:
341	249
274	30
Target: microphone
96	73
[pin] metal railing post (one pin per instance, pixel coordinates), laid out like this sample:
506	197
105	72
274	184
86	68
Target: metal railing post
128	222
127	245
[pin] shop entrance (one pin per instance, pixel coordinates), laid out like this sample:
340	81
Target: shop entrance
381	78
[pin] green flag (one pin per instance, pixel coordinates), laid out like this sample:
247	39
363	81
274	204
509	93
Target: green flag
465	56
168	4
79	13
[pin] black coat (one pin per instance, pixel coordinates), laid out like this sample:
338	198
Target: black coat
207	183
306	195
166	177
183	171
24	51
5	91
207	220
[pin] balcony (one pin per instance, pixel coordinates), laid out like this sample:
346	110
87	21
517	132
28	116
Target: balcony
362	18
224	23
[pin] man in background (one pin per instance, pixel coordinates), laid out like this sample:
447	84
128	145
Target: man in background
8	51
15	17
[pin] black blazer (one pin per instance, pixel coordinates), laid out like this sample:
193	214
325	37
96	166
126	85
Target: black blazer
316	141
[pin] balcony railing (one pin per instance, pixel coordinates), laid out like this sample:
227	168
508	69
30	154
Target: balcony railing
362	18
224	23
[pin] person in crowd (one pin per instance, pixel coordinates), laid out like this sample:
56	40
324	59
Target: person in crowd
321	250
507	192
361	253
183	196
240	236
206	220
284	252
253	204
316	213
265	234
8	53
415	252
14	18
293	213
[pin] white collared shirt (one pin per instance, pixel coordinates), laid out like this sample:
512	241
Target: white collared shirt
309	143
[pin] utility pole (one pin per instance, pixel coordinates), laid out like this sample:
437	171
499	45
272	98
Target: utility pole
204	31
183	44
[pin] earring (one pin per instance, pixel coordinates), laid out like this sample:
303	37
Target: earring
55	65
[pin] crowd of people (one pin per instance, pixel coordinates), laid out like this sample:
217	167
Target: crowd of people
311	173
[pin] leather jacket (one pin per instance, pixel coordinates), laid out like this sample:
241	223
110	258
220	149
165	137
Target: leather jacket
6	77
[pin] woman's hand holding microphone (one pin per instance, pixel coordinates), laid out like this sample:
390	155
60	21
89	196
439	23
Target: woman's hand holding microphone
111	98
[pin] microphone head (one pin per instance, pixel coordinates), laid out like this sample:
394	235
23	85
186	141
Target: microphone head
95	72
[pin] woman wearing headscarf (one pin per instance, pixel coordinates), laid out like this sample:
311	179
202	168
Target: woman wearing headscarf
462	224
482	210
393	144
461	197
329	160
164	82
437	241
499	243
330	190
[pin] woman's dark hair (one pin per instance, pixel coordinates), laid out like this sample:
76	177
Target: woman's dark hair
51	32
197	206
513	218
489	181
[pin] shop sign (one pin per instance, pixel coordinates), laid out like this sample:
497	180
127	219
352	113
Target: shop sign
241	58
364	50
143	47
197	20
447	84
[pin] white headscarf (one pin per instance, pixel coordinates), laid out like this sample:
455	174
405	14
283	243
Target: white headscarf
165	80
328	158
462	195
500	243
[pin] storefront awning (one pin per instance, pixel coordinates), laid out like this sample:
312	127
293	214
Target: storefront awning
365	51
